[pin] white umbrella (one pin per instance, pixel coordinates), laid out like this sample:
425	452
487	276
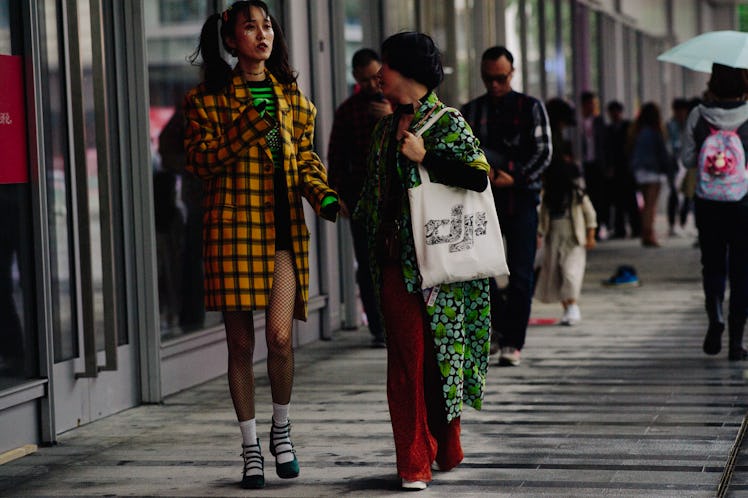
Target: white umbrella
729	48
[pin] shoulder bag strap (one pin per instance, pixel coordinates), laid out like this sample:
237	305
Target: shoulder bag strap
433	119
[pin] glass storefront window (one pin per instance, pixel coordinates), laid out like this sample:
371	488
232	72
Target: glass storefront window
462	21
555	68
567	44
354	38
172	32
400	15
631	60
594	51
89	101
533	62
434	15
514	40
54	108
180	11
18	353
5	47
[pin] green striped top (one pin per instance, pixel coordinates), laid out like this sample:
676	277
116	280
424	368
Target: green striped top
262	95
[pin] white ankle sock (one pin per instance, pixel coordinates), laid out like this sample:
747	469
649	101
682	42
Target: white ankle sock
280	417
280	413
249	431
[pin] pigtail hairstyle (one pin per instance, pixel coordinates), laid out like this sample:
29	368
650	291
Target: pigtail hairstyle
217	73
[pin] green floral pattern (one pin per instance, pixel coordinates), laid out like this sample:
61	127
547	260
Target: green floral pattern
459	314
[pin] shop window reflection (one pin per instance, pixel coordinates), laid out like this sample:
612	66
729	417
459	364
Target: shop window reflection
533	60
178	220
18	351
512	20
172	34
179	11
567	44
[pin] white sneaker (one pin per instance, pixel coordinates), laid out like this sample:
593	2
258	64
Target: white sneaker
509	357
413	485
572	315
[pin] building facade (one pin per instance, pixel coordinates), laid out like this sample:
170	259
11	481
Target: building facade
100	267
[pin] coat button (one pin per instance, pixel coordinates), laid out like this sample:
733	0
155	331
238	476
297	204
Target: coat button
268	204
268	168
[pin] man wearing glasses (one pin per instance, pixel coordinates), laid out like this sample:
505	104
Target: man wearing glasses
515	135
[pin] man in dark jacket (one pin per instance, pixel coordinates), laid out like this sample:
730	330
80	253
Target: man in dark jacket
597	176
349	143
514	133
623	192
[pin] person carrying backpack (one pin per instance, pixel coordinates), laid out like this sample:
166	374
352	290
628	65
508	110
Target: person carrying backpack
715	143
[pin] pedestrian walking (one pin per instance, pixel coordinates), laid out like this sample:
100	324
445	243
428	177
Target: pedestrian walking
437	344
649	162
623	190
675	127
598	176
349	142
567	221
715	143
249	133
513	130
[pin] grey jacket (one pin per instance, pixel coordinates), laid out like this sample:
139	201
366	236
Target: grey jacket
722	115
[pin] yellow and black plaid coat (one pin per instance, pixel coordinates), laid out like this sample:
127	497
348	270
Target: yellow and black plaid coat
226	148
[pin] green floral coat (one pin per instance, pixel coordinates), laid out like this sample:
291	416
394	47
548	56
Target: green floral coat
460	316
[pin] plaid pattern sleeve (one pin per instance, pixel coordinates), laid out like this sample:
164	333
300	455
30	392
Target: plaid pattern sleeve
541	137
312	173
349	142
212	141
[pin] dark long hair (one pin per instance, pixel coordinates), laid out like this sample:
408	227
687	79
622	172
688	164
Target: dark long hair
649	117
728	82
217	73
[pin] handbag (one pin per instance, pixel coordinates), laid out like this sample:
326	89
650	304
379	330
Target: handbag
456	231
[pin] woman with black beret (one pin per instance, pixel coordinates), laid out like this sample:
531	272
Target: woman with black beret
437	339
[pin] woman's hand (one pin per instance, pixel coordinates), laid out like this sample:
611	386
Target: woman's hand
590	243
344	212
500	178
412	147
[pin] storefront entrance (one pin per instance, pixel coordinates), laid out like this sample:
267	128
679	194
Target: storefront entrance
95	365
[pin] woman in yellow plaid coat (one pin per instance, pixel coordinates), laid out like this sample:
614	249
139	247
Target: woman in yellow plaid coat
249	138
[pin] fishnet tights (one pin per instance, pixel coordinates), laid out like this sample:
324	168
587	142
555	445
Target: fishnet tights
240	340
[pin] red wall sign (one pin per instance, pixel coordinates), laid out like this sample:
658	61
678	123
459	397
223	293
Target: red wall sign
13	164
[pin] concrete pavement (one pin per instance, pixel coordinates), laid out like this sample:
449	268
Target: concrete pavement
623	404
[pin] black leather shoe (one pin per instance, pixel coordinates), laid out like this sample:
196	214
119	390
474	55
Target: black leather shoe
737	354
713	340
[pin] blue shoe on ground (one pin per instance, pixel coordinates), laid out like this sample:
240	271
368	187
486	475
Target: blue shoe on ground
625	276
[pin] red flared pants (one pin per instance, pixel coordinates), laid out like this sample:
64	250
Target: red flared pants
417	409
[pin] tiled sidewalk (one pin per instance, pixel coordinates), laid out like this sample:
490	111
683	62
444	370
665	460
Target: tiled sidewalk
623	404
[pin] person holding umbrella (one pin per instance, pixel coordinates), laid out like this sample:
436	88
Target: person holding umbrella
719	128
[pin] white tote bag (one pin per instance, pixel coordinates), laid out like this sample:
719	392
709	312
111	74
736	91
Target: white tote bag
456	231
